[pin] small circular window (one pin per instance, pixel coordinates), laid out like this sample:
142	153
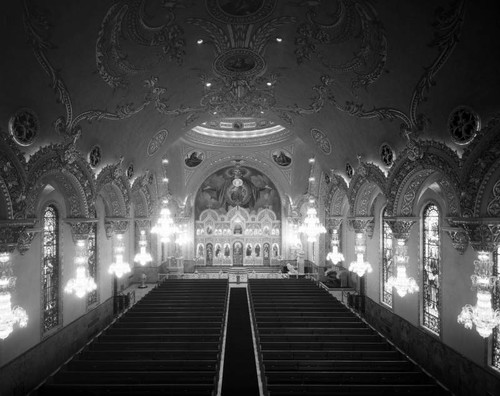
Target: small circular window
387	154
95	156
24	126
463	125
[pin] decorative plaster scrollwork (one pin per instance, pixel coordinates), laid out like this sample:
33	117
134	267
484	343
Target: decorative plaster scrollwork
493	208
17	234
115	226
459	238
156	141
80	228
483	233
321	141
400	226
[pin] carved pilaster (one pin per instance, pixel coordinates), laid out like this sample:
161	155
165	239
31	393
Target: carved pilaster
115	225
401	226
17	234
459	238
483	233
80	228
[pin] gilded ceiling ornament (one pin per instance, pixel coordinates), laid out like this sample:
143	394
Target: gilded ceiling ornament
128	19
387	154
156	141
348	22
321	141
24	126
95	156
463	125
240	12
493	208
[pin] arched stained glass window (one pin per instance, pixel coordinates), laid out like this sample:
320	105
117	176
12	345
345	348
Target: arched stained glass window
50	269
387	261
92	297
431	268
496	304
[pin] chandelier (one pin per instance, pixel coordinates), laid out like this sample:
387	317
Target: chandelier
119	267
482	314
8	316
165	227
401	282
143	257
335	256
360	266
311	225
82	283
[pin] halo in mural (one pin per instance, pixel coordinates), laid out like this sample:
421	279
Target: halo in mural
387	154
194	158
240	12
24	126
156	141
321	141
239	63
95	156
463	125
282	157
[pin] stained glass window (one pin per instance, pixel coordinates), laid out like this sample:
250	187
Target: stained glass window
92	263
50	269
387	261
431	269
496	304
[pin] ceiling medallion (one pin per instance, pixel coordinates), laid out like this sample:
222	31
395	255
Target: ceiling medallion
463	125
239	63
321	141
95	156
24	126
386	154
156	141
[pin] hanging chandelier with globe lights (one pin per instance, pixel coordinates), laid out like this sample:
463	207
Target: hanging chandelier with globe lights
401	282
119	267
335	256
360	266
82	283
481	315
8	316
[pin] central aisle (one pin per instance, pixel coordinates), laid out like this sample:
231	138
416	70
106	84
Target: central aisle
240	374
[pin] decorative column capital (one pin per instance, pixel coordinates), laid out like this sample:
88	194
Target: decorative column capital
334	222
363	224
115	225
80	228
459	238
401	226
483	233
143	223
17	234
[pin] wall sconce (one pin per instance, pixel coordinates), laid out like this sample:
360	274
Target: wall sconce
8	316
482	314
82	283
143	257
119	267
335	256
401	282
360	266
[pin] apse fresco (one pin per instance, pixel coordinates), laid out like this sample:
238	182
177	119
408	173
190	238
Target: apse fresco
237	186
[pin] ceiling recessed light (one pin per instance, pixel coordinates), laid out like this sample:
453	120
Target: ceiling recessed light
208	84
269	83
199	41
164	161
279	39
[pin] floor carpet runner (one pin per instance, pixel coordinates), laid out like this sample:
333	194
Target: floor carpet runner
240	374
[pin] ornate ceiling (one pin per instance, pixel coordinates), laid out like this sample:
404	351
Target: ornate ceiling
269	82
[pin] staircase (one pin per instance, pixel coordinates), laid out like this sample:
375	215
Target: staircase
311	344
167	343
